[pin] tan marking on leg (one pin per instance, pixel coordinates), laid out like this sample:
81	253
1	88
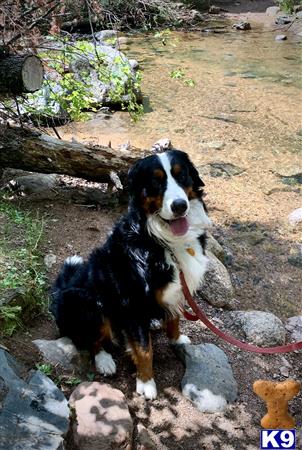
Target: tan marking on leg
105	335
143	360
172	328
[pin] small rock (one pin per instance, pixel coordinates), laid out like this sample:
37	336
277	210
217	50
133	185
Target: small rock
60	352
94	227
299	16
122	40
295	259
214	9
214	145
134	64
145	442
106	35
297	8
281	37
294	326
283	20
272	10
36	183
161	145
290	175
295	217
284	371
34	413
102	418
213	246
217	287
50	260
242	26
208	380
220	169
260	328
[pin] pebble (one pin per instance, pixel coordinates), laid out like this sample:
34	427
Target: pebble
283	20
242	26
294	327
295	217
50	260
281	37
214	145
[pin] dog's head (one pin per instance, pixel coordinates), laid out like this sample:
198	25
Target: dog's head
168	189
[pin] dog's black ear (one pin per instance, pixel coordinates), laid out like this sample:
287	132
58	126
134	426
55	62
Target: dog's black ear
198	184
134	179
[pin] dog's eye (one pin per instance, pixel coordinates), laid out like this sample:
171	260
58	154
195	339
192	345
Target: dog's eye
181	177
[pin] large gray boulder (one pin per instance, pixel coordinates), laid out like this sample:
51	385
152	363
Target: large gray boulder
208	380
34	413
217	287
213	246
259	327
104	71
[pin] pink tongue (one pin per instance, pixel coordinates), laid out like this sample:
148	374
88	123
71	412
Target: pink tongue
179	227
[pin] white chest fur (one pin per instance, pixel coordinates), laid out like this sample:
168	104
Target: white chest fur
193	264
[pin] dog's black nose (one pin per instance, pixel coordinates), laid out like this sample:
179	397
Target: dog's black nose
179	207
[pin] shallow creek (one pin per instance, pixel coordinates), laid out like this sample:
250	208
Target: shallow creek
245	109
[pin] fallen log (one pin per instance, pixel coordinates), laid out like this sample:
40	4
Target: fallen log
20	74
36	152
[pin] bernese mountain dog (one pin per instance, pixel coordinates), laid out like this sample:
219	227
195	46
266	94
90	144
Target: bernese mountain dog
134	277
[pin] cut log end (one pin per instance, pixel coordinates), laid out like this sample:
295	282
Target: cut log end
20	74
32	74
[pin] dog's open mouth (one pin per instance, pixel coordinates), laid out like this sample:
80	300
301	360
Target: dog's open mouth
179	226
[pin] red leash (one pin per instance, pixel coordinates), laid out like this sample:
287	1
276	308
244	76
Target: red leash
200	315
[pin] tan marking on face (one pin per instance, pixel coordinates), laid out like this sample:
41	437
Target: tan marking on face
159	173
143	360
176	169
152	204
172	328
191	194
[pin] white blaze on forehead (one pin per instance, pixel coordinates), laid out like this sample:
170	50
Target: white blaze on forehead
173	190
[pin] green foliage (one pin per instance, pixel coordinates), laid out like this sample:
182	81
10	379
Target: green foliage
75	94
21	275
47	369
189	82
178	74
287	5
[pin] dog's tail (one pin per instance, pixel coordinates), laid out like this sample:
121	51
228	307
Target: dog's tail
65	281
71	266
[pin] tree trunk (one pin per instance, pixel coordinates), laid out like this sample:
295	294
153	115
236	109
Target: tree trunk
19	74
35	152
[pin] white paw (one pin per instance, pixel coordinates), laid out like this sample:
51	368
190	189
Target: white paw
104	363
183	339
148	388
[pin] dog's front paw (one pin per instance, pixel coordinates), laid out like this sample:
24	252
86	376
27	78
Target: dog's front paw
183	339
148	388
104	363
